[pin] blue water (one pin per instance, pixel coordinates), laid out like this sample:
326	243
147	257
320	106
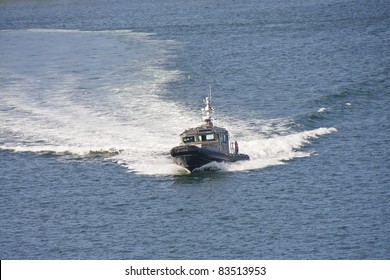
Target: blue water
93	95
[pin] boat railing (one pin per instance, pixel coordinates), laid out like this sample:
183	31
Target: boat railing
234	148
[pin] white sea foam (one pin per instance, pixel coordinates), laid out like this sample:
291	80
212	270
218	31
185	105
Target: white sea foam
322	110
102	93
277	149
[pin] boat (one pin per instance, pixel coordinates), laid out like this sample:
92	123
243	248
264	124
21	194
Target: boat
205	144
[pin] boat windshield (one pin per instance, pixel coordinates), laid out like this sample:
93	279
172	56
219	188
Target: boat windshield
207	137
199	138
188	139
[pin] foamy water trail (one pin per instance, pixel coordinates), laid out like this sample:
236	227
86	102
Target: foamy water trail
102	92
88	91
276	150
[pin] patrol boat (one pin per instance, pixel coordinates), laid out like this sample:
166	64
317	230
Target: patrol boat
205	144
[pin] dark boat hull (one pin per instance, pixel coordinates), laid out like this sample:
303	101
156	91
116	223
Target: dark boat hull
192	157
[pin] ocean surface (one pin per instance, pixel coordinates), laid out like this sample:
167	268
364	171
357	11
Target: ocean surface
94	93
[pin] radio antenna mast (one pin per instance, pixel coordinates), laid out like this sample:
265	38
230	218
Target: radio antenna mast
210	93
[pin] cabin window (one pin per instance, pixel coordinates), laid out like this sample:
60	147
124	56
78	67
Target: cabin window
188	139
207	137
224	138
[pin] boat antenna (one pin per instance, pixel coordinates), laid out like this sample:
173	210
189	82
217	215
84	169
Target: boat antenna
210	93
208	109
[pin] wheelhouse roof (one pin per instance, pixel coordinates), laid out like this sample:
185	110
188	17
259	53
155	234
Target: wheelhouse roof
203	130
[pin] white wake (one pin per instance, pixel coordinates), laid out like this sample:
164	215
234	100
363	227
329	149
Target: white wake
103	93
